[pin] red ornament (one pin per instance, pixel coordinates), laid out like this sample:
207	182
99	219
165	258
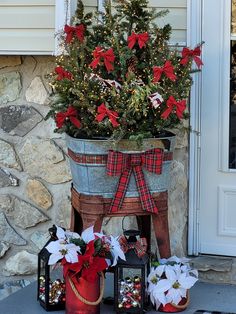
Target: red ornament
128	305
137	286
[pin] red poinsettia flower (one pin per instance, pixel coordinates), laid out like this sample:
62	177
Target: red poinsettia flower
88	265
97	265
63	74
70	114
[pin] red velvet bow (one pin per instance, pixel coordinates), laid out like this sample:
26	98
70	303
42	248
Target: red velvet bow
103	112
71	31
62	73
167	69
107	57
140	246
141	38
179	106
191	53
70	114
124	165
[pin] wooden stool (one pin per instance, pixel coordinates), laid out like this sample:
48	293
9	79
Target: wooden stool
88	210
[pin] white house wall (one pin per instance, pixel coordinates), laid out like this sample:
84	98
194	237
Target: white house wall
28	26
177	18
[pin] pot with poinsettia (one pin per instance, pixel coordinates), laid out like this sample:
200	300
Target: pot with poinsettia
84	259
117	85
169	282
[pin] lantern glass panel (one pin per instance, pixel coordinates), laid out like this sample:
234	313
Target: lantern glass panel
52	286
131	289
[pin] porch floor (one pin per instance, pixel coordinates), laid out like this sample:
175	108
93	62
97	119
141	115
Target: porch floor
203	296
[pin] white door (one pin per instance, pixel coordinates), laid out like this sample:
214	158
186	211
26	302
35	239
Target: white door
217	177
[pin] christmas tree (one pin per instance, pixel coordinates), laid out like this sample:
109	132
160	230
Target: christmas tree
118	77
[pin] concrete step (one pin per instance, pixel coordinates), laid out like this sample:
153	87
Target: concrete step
215	269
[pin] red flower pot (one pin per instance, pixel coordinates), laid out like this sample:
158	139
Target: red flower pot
174	308
83	297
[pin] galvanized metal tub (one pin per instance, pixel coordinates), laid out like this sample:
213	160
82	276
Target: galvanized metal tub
88	165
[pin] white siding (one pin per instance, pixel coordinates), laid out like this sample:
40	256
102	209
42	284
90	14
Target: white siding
29	26
177	18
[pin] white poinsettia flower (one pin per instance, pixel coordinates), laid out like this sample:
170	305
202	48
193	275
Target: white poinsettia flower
169	282
175	259
178	283
60	233
194	272
100	235
160	270
159	293
155	274
60	249
157	286
116	250
152	281
88	235
72	235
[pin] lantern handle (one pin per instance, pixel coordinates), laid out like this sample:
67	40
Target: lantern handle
123	228
82	299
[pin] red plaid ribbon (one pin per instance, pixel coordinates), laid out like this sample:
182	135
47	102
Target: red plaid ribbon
140	246
124	164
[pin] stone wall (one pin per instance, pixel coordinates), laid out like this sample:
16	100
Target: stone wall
35	177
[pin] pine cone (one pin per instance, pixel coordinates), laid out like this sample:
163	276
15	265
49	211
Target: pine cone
132	64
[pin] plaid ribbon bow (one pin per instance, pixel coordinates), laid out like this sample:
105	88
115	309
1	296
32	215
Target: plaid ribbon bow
140	246
124	164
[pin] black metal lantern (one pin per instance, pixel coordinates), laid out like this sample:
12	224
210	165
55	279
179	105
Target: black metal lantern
130	275
51	286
